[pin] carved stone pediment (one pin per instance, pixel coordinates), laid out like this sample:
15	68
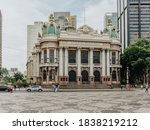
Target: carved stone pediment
85	29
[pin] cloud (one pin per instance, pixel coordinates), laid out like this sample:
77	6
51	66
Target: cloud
17	14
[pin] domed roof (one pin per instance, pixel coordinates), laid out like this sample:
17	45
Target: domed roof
50	27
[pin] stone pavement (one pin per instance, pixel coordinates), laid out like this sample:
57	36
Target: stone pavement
77	101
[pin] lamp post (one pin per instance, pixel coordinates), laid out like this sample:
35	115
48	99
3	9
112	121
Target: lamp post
56	68
127	78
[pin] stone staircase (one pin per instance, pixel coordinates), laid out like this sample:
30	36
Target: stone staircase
84	86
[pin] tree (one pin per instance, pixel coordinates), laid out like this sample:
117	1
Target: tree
137	58
18	76
5	75
4	72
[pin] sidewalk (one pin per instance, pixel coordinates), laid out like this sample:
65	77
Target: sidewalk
77	90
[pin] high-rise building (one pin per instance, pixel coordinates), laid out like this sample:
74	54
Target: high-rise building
0	40
32	35
133	20
111	16
63	18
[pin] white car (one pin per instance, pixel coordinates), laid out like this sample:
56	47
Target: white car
34	88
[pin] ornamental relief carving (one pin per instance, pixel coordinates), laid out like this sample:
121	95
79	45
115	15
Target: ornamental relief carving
72	68
85	68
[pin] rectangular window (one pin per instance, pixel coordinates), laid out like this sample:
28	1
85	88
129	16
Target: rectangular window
40	57
113	57
72	56
84	57
45	56
96	57
51	56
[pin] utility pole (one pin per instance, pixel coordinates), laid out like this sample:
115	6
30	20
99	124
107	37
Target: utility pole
147	76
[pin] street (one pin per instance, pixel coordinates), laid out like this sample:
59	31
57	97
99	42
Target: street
101	101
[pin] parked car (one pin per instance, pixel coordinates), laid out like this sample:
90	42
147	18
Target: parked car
34	88
6	88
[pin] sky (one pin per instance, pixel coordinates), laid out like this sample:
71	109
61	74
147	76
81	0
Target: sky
17	14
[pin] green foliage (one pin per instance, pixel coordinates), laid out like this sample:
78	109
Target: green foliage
4	72
18	76
16	79
137	58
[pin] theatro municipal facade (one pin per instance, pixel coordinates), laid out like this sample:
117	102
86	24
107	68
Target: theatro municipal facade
75	57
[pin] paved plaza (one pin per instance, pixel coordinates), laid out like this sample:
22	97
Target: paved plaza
101	101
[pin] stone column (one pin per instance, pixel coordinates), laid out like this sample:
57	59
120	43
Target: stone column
48	58
55	56
108	67
103	62
117	76
91	67
103	67
60	65
66	65
118	58
42	57
47	74
79	67
110	57
108	63
100	57
37	65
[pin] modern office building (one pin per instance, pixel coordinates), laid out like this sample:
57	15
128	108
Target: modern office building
32	35
133	20
80	58
0	40
111	16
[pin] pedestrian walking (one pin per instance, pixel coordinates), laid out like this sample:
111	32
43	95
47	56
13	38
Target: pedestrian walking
141	86
54	87
121	86
15	87
146	89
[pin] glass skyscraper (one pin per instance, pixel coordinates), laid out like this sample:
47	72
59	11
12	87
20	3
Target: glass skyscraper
0	40
133	20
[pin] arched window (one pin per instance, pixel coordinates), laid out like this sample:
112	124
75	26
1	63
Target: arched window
85	76
44	75
114	75
96	76
45	56
72	76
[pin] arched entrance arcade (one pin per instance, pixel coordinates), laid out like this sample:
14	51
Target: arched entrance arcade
72	76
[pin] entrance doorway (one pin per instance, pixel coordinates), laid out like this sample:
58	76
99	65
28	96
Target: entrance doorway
85	76
72	76
96	76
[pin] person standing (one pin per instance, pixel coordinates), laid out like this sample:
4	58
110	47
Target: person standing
146	89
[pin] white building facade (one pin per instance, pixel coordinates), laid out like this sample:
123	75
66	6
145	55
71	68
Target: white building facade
32	35
74	58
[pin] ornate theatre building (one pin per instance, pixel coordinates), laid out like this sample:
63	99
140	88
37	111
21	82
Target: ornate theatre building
75	58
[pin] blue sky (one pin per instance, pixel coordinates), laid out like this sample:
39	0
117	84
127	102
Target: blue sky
17	14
